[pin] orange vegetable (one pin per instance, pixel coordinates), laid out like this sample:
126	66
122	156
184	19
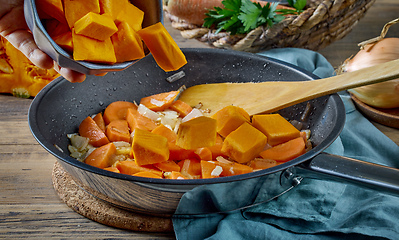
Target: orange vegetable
285	151
147	175
138	121
176	175
149	148
168	166
178	153
196	133
190	168
94	25
203	154
112	169
74	10
217	148
210	170
244	144
164	49
131	167
181	107
229	119
166	132
88	128
112	8
233	168
54	27
51	8
159	102
92	50
102	157
275	127
117	110
130	14
100	121
260	163
64	40
118	130
127	44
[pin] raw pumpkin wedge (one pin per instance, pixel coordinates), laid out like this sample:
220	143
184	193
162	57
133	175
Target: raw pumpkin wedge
149	148
127	44
112	7
130	14
164	49
64	40
92	50
96	26
51	8
229	119
75	10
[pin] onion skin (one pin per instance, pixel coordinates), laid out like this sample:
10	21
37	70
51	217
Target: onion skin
384	94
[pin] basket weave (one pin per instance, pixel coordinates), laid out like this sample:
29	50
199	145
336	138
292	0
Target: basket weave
322	22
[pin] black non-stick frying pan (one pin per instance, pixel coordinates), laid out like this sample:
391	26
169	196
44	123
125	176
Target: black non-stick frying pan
60	107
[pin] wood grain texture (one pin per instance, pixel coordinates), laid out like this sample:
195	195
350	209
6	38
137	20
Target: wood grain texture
29	206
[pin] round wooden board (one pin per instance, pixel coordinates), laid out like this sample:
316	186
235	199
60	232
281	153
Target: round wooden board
88	206
387	117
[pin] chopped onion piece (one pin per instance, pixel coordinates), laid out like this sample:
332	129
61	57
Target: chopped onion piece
120	144
223	160
193	114
217	171
146	112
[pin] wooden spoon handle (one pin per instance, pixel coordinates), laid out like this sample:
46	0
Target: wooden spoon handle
271	96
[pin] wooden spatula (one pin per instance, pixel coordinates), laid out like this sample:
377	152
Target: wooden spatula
266	97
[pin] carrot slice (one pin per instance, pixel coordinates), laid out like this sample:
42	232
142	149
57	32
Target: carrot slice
168	166
131	167
210	170
138	121
233	168
177	175
147	175
102	156
217	148
260	163
117	110
118	130
112	169
88	128
181	107
100	121
159	102
178	153
190	167
285	151
203	154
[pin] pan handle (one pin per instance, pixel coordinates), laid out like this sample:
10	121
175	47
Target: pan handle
349	170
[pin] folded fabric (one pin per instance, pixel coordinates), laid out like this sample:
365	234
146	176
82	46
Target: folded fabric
316	208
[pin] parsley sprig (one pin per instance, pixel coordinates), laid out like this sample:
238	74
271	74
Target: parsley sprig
242	16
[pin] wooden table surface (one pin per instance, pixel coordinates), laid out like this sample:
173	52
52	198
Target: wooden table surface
29	206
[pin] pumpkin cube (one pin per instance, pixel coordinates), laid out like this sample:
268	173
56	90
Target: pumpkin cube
51	8
64	40
75	10
127	44
229	119
112	7
164	49
197	133
166	132
96	26
149	148
244	144
130	14
55	27
92	50
275	127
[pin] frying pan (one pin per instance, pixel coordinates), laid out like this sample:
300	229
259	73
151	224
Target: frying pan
60	107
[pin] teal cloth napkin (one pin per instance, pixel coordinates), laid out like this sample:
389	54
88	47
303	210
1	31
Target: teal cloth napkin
316	208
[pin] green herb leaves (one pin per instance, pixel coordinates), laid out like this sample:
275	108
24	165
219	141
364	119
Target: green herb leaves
242	16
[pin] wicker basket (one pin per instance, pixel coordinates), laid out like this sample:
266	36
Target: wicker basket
322	22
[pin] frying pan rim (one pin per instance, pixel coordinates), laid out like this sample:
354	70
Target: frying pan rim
337	128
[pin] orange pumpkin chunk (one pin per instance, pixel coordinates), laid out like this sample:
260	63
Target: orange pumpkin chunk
244	144
130	14
275	127
93	50
229	119
165	50
149	148
51	8
75	10
96	26
112	8
166	132
196	133
127	44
